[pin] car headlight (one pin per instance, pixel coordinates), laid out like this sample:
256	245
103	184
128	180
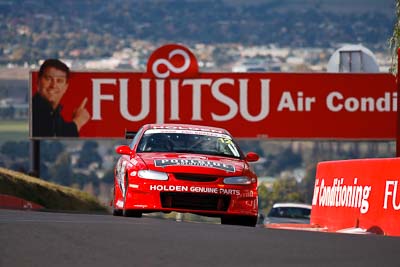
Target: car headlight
152	175
237	180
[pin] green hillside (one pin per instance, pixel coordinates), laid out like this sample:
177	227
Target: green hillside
49	195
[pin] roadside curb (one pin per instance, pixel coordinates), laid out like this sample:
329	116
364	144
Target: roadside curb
316	228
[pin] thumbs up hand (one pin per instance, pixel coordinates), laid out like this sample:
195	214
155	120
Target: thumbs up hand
81	115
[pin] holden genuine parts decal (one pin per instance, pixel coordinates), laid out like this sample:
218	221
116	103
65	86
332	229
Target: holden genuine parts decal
198	189
194	162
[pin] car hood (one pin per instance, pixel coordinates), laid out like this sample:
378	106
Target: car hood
193	163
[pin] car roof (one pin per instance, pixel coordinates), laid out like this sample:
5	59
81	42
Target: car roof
186	127
291	205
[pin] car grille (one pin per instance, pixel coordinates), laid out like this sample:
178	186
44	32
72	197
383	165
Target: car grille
195	177
194	201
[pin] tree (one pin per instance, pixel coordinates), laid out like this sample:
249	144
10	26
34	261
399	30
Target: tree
307	184
283	190
89	154
264	197
14	149
394	41
78	180
61	171
109	176
20	165
285	160
286	190
50	150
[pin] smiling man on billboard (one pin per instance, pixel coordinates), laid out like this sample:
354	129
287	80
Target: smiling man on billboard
47	120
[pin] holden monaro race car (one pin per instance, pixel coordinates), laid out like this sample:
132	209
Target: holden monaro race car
186	168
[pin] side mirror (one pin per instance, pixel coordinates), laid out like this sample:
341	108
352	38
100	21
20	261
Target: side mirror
252	157
123	150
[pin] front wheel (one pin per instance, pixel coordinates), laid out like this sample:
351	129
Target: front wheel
132	213
250	221
115	211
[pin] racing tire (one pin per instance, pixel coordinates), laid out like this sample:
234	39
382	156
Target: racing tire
115	211
132	213
250	221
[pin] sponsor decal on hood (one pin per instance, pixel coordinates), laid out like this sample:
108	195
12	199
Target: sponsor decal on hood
194	162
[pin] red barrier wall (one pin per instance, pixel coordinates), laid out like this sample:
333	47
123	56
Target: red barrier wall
11	202
358	193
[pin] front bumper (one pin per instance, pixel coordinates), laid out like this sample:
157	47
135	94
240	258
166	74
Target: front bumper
207	198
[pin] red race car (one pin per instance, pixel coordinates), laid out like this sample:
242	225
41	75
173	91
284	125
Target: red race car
186	168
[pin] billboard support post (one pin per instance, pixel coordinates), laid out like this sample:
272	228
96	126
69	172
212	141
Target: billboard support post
398	104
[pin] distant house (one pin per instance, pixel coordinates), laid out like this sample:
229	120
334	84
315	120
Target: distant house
15	109
256	65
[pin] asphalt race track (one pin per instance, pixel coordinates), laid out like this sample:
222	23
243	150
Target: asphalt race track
43	239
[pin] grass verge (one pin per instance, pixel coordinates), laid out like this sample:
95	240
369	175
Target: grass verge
49	195
14	130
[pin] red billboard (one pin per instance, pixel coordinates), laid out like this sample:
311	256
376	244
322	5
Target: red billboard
249	105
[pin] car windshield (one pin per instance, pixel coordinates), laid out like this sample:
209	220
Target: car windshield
290	212
197	142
